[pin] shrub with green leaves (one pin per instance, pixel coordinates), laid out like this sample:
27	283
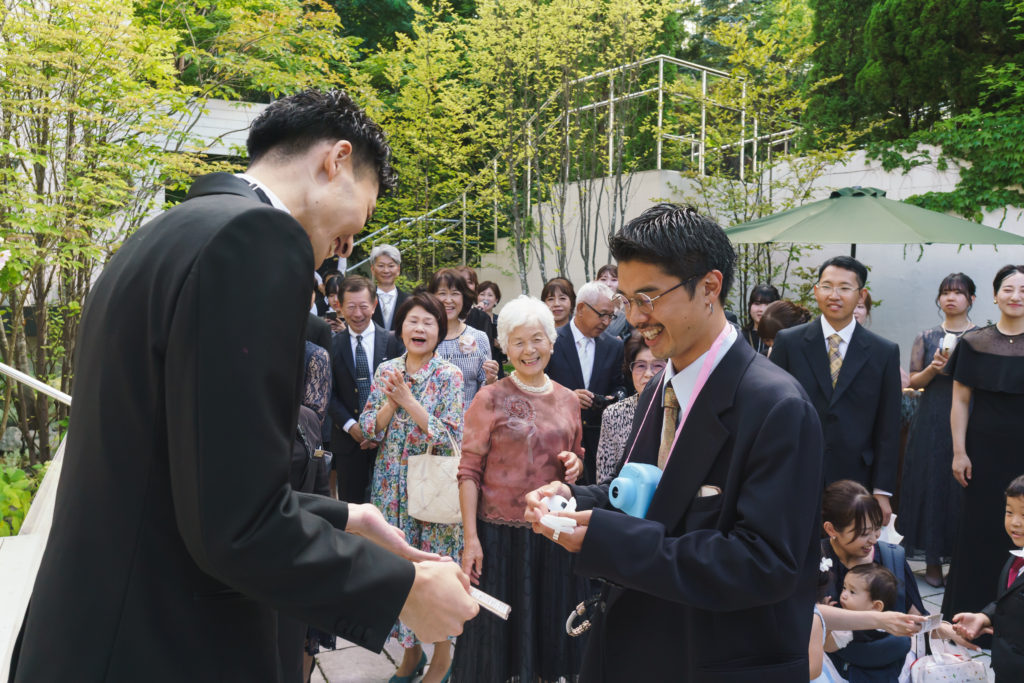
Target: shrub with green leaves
17	488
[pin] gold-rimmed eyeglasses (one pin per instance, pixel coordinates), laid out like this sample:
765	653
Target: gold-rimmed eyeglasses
644	303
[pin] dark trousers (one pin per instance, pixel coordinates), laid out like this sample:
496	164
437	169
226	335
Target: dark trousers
591	436
355	470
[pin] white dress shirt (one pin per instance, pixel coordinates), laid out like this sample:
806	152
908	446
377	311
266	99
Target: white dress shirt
684	381
275	201
845	335
368	334
585	348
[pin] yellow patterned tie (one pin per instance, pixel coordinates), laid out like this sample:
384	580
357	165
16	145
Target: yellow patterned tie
668	426
835	361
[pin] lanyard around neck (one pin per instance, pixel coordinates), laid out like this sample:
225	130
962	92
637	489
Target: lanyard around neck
702	378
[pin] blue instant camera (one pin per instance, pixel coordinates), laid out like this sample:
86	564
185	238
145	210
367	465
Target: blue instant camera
633	489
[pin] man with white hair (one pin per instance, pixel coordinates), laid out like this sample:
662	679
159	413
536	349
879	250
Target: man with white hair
589	361
386	266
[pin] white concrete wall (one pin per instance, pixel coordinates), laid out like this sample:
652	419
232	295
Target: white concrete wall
905	279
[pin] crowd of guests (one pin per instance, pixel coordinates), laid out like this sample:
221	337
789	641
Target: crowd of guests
408	369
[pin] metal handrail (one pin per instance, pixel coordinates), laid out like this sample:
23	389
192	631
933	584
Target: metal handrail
41	387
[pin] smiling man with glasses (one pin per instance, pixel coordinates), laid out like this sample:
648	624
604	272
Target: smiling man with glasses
853	378
717	580
589	361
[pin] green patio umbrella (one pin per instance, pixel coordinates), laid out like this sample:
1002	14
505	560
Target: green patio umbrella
864	215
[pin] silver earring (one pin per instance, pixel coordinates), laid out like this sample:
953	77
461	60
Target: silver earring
711	309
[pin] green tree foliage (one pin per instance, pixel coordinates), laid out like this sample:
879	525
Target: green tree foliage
378	23
767	68
982	143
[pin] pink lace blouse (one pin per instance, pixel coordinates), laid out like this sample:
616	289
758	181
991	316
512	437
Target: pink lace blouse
511	443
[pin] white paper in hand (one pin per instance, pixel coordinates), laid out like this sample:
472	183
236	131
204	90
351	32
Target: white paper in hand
889	533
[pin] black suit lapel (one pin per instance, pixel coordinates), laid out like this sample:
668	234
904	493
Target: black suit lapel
857	353
378	316
813	348
380	346
700	443
345	344
1004	576
570	357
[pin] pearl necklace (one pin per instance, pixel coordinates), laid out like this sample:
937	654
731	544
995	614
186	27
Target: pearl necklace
546	387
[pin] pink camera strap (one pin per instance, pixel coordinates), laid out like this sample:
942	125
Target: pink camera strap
702	378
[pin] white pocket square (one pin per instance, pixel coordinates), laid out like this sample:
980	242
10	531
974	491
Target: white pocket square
707	491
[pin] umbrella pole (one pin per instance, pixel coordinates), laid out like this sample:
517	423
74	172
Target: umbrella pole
853	251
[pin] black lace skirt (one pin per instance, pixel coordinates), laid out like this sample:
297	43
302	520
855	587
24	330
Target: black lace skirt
535	577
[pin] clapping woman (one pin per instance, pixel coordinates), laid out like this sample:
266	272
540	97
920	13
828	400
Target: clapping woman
522	432
930	498
415	401
464	346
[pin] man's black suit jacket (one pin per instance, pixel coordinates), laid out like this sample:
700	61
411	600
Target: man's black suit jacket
353	464
713	588
860	417
176	535
605	380
1007	615
378	313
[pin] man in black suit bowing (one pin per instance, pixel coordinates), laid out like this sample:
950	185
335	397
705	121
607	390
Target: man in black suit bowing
589	361
717	581
358	351
176	536
853	379
386	266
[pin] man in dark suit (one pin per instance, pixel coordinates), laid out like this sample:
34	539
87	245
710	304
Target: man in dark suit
716	582
589	361
852	377
357	353
176	535
386	266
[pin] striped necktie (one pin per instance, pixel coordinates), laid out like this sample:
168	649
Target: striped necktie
835	361
668	426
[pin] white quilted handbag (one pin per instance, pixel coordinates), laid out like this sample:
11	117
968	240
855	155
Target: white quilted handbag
433	487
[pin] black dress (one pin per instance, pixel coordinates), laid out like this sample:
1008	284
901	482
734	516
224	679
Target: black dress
992	364
930	497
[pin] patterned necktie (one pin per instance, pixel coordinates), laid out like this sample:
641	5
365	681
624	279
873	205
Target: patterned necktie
362	371
835	361
668	426
1015	568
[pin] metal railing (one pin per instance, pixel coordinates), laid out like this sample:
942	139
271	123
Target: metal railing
21	555
698	139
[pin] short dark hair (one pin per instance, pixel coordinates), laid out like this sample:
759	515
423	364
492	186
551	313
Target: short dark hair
453	279
469	274
763	294
882	584
1016	488
610	268
429	303
293	124
333	286
846	502
1005	272
558	285
956	282
781	315
847	263
493	286
678	240
357	283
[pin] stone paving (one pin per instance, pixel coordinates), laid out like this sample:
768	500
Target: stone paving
352	664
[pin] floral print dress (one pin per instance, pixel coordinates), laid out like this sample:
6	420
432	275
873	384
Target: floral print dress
438	388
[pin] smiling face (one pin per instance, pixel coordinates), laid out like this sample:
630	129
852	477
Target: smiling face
340	202
1010	296
451	298
679	327
560	305
385	270
486	300
358	309
593	317
1014	520
853	548
529	350
645	366
855	595
838	292
419	331
609	279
